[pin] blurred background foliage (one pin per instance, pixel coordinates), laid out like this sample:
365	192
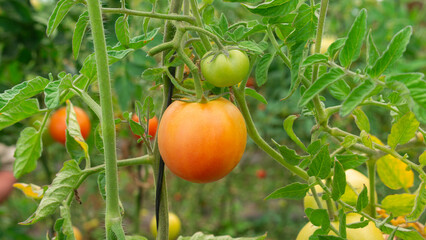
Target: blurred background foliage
234	205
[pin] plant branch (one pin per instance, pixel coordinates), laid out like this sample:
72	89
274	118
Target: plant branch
113	214
199	23
89	101
255	136
175	17
277	47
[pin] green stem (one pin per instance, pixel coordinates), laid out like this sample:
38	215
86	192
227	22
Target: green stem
255	136
177	85
243	83
199	23
277	47
194	71
160	48
371	166
330	205
90	102
320	30
113	216
215	38
175	17
146	159
322	117
316	197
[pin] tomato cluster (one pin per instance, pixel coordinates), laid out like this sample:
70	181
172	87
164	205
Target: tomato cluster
202	142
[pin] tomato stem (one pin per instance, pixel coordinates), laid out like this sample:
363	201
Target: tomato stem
194	71
113	214
255	136
371	166
199	23
126	11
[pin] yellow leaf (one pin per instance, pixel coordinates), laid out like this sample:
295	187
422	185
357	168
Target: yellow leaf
376	140
30	190
393	173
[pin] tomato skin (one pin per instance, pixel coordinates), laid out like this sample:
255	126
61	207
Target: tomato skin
58	126
202	142
261	173
174	226
152	126
369	232
6	184
225	71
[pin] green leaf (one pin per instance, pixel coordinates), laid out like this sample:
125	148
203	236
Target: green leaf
252	93
122	30
202	236
142	40
315	59
208	15
339	181
54	89
366	139
352	47
351	161
25	109
14	96
58	14
320	84
399	204
402	233
288	127
422	158
393	173
102	184
261	73
361	224
28	150
362	200
339	89
99	141
403	130
223	23
335	47
361	120
288	154
135	237
62	186
372	52
348	141
251	46
414	83
153	74
321	164
419	203
296	57
356	97
342	222
75	144
305	24
318	217
393	52
80	29
314	147
292	191
273	8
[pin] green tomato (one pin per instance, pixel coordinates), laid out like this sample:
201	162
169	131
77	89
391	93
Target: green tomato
357	181
369	232
174	226
225	71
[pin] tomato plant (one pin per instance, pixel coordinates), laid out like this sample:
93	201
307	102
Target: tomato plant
225	69
58	126
328	93
206	146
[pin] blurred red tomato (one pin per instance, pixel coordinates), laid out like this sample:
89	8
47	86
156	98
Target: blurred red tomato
152	125
6	184
261	173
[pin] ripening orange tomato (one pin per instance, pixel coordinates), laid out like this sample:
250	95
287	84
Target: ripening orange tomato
152	125
58	126
202	142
